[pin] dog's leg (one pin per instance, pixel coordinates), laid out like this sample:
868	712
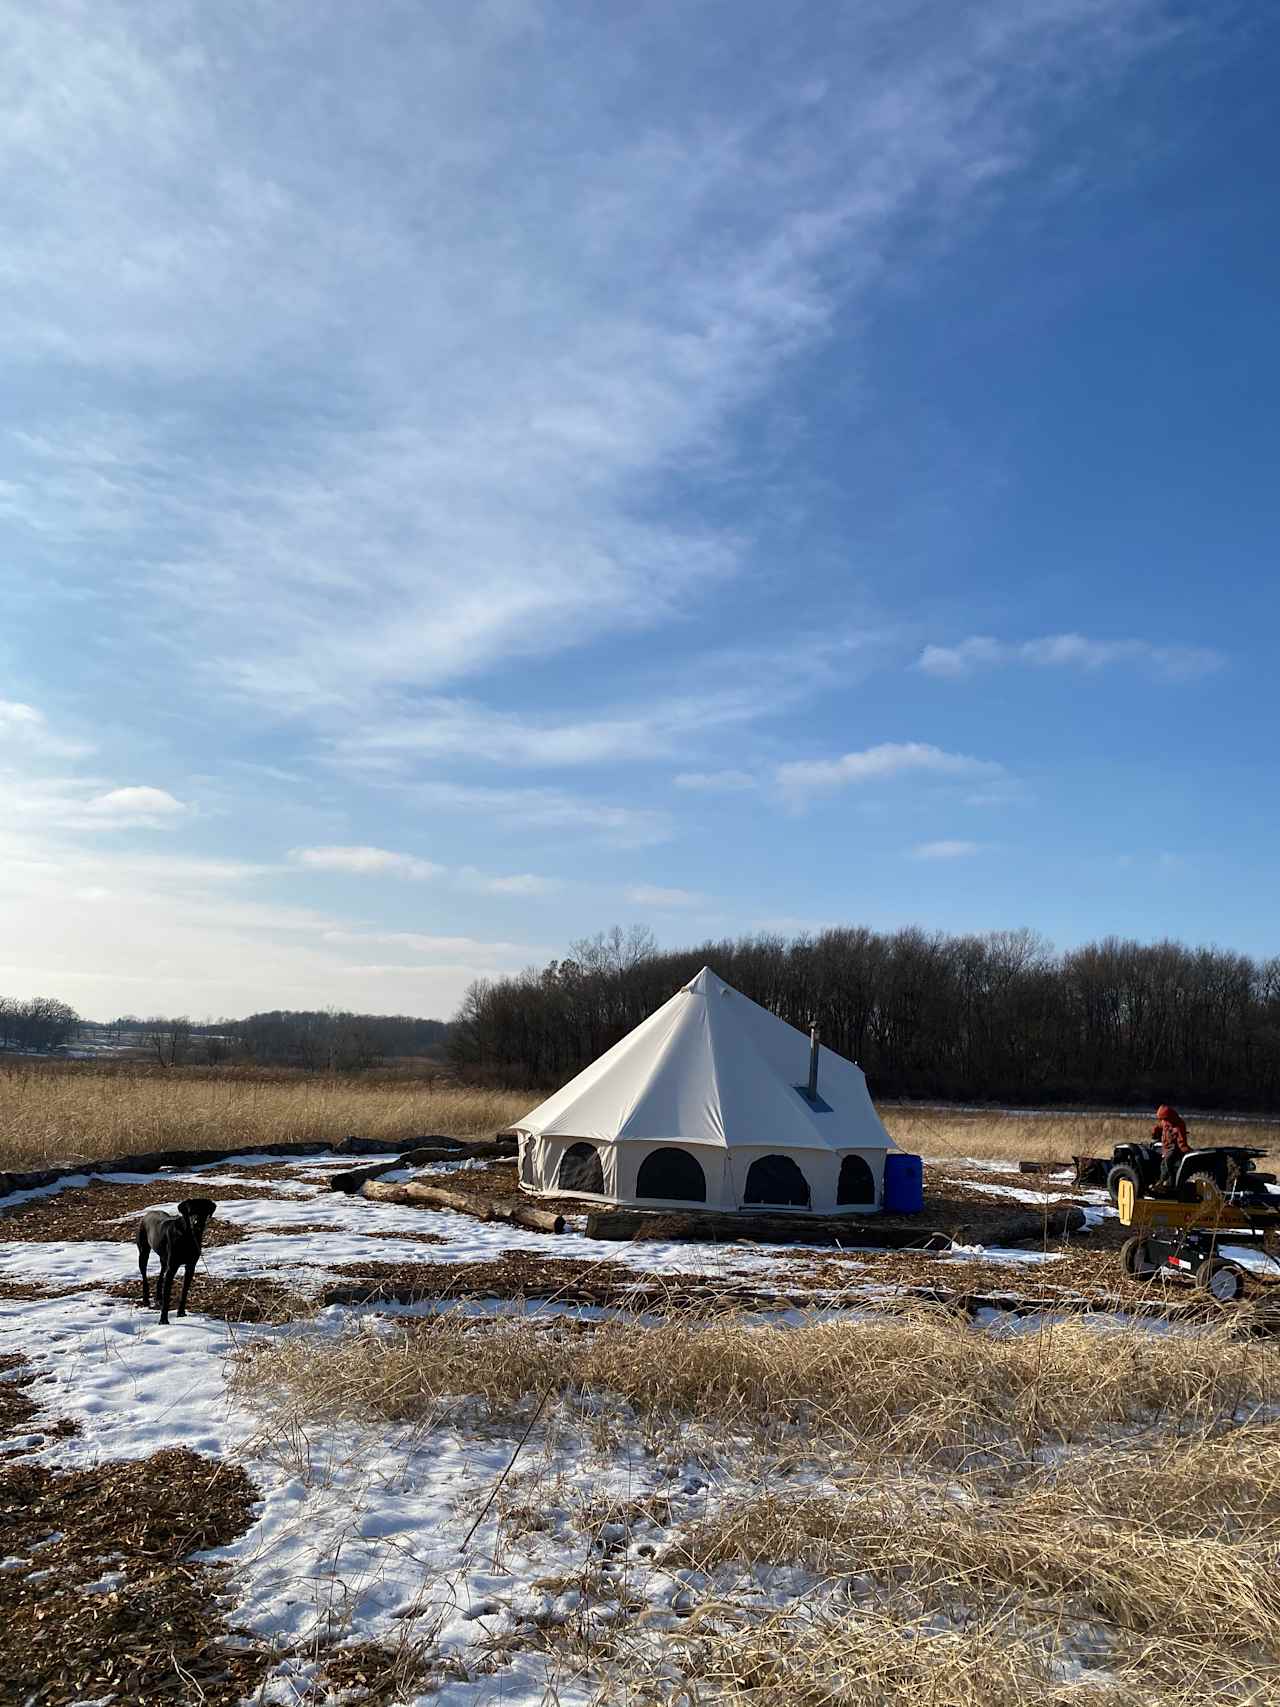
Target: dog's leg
186	1286
167	1273
144	1256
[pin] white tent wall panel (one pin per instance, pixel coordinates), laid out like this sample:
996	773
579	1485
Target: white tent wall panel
725	1173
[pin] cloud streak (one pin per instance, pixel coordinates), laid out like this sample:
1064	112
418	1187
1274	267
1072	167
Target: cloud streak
946	850
365	862
803	778
1067	652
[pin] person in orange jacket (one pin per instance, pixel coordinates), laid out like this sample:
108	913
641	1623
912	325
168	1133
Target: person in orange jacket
1171	1131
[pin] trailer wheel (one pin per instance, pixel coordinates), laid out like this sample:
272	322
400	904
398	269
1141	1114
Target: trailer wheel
1134	1263
1223	1281
1122	1170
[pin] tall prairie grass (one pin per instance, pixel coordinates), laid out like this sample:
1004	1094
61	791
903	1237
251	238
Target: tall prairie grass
49	1117
71	1112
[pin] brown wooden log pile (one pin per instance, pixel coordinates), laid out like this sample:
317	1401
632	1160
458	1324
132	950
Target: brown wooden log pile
512	1210
440	1150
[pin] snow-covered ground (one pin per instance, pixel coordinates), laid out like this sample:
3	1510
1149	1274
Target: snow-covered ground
365	1530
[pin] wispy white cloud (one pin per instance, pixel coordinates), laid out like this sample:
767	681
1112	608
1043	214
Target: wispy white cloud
452	728
653	895
517	883
804	777
572	321
85	803
365	862
1067	651
716	782
135	805
25	728
946	850
379	862
548	809
448	947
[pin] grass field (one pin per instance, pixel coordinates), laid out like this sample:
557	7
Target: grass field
68	1113
902	1511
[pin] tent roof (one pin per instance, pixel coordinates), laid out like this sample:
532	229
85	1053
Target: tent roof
712	1067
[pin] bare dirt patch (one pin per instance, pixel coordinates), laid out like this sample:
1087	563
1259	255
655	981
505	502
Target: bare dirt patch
110	1604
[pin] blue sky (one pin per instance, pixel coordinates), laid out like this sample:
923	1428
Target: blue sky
474	473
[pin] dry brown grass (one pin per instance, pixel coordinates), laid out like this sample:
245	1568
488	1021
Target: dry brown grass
1163	1567
940	1134
69	1116
861	1657
956	1517
921	1383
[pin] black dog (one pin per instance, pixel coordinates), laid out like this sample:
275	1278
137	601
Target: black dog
176	1240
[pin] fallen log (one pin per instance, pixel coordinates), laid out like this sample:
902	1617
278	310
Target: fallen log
511	1210
1042	1167
716	1227
440	1150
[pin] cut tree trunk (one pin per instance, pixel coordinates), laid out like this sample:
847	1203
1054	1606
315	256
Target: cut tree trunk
511	1210
351	1179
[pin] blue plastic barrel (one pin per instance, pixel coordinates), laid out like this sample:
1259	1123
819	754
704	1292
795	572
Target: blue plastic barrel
903	1183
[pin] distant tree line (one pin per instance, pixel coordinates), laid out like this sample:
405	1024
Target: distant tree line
318	1040
998	1017
36	1026
332	1041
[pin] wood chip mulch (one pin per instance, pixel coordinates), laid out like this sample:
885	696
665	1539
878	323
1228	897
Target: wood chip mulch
286	1228
108	1603
248	1299
90	1211
572	1281
20	1413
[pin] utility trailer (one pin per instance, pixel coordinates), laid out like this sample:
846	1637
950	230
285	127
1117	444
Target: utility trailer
1179	1241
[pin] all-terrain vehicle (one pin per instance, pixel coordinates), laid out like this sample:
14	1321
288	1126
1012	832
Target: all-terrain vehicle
1225	1170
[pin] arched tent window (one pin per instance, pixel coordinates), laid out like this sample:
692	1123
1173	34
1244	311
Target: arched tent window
674	1173
580	1170
776	1179
857	1182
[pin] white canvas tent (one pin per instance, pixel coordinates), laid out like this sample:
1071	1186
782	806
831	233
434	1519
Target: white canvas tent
706	1104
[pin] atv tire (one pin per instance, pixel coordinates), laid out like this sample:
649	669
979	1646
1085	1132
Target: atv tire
1122	1170
1201	1184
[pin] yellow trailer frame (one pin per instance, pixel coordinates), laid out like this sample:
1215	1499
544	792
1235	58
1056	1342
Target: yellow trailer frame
1163	1217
